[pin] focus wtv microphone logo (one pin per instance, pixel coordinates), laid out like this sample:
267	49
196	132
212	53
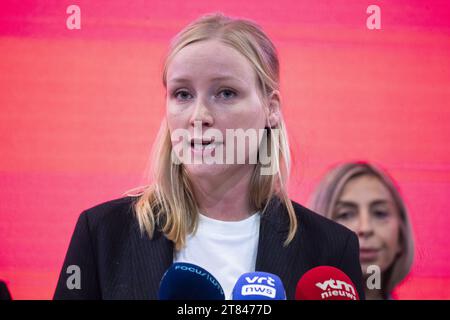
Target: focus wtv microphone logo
187	281
258	286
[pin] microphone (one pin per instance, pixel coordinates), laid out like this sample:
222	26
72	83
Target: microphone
325	283
187	281
258	286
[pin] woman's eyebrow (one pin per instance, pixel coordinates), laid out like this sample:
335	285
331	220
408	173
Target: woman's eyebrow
216	78
178	80
379	202
226	78
342	203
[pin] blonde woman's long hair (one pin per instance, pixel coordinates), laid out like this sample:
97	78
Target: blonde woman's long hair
168	203
324	198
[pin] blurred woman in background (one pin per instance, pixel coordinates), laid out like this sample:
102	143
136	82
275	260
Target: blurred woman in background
363	197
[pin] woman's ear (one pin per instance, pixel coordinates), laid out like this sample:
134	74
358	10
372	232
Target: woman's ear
274	109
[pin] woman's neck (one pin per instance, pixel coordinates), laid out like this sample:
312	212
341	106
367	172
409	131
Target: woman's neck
225	197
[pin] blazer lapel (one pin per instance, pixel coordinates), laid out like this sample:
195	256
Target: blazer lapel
289	263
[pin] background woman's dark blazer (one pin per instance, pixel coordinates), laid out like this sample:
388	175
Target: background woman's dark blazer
118	262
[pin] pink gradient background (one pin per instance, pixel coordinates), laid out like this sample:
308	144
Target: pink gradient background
81	108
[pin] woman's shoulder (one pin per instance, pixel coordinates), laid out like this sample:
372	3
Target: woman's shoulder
311	225
310	221
323	228
330	243
111	213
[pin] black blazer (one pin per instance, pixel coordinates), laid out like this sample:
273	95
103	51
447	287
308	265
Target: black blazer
118	262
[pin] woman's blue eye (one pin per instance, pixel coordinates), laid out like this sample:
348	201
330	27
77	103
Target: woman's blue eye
227	96
346	215
183	92
381	214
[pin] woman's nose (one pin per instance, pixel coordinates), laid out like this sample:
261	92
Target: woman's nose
365	228
201	114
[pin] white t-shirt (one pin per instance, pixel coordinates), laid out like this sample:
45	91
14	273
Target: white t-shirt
226	249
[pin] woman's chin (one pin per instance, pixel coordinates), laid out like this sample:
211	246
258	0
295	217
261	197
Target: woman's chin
204	170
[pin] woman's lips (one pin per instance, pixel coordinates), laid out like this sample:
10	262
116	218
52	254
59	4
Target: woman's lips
368	254
199	149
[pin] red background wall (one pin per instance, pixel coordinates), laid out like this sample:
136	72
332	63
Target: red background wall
80	110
